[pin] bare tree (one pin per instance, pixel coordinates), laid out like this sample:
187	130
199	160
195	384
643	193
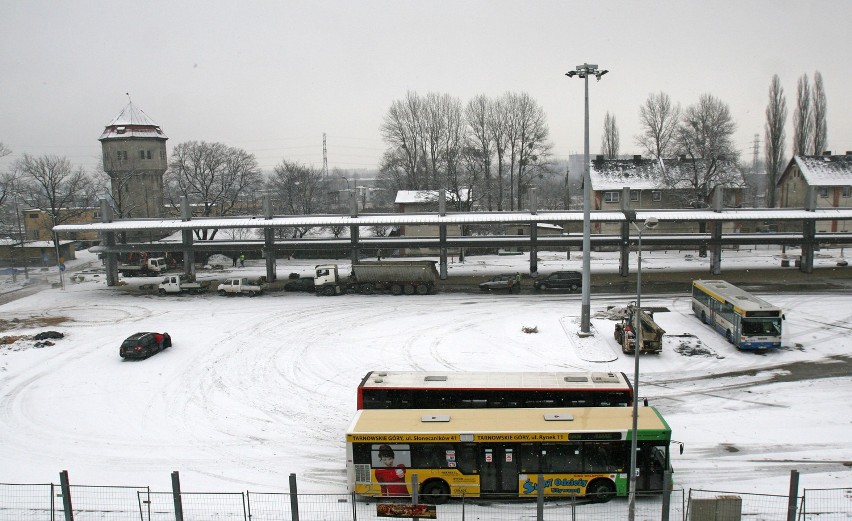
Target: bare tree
659	120
7	179
498	122
533	149
820	128
802	119
213	176
610	141
55	187
402	130
299	189
480	146
776	118
705	135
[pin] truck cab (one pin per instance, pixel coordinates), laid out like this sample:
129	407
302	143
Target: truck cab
327	280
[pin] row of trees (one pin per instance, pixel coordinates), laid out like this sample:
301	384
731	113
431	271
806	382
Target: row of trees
488	149
810	128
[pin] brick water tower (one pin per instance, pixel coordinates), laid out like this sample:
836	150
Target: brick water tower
134	155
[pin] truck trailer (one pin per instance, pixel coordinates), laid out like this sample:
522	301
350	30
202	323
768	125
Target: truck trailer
397	278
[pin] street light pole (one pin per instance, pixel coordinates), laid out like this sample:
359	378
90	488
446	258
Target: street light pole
650	222
21	238
583	71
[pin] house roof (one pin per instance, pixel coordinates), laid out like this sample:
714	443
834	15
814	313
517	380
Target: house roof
646	174
132	122
825	170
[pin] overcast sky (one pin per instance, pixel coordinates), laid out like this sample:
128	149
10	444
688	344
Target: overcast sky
273	77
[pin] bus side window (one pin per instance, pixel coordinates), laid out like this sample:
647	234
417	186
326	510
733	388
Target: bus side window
466	457
528	456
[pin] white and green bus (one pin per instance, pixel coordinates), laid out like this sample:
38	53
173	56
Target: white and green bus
746	321
503	452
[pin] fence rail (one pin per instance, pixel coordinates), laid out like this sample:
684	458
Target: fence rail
45	502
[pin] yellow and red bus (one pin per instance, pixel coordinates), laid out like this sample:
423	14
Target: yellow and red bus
478	390
502	452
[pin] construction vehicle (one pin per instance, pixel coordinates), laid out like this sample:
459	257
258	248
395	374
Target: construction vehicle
144	268
398	277
652	334
182	284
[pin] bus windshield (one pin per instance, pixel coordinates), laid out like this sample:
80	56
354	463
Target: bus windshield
761	327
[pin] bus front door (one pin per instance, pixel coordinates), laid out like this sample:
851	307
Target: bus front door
498	469
651	461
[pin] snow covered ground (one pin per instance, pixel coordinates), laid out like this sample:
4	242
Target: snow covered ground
255	389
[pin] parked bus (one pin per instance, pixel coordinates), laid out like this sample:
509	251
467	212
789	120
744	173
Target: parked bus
476	390
747	321
502	452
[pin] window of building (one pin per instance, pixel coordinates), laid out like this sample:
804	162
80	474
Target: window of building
141	154
823	192
162	154
122	154
847	191
634	196
657	195
32	215
611	197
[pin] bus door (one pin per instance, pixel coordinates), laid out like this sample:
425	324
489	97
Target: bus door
498	469
651	461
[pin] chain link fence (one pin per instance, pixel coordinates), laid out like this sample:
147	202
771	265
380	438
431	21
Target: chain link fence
45	502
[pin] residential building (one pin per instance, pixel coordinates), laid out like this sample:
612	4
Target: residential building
659	184
829	175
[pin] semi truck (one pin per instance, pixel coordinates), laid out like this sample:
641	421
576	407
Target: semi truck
144	268
176	284
397	277
652	334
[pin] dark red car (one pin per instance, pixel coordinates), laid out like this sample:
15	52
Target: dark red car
143	345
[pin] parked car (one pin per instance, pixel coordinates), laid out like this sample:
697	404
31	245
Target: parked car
300	284
505	282
145	344
569	280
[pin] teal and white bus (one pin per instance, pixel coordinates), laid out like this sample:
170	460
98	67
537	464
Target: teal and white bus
746	321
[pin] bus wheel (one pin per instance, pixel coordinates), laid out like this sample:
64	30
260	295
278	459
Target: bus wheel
704	317
435	492
729	336
600	490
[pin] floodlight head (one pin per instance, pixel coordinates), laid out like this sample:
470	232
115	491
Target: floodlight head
571	74
651	222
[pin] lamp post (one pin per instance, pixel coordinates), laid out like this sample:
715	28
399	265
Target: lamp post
583	71
650	222
21	238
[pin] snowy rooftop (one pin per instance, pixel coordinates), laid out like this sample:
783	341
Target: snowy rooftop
424	196
132	122
826	170
646	174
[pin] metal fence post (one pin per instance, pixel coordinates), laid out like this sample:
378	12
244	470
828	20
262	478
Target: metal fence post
176	496
294	499
667	495
539	500
415	496
793	498
66	495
